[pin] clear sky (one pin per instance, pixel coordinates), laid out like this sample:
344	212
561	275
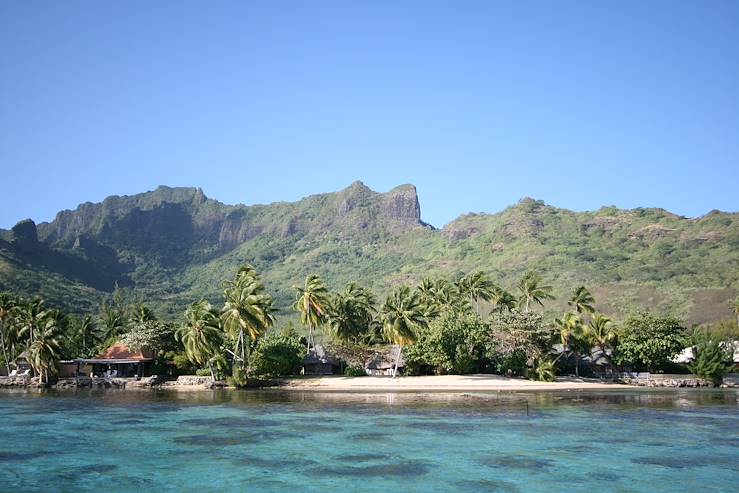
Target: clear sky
581	104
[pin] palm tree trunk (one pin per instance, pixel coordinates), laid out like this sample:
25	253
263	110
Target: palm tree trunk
241	340
577	364
311	342
397	360
247	355
5	352
212	373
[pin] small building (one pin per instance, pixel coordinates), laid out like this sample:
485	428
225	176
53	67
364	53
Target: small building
688	354
22	362
319	362
383	363
118	360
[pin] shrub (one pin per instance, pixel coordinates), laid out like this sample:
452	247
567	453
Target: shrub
278	354
544	371
355	371
202	372
238	377
711	357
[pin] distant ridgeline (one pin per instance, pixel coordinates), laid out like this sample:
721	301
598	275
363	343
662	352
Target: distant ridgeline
175	245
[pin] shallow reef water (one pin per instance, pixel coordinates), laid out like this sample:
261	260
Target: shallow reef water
275	441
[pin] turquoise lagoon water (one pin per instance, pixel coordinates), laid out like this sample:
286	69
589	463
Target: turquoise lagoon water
311	442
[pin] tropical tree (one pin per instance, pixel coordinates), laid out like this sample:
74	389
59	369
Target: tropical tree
478	287
350	314
112	322
600	331
712	358
544	371
142	313
426	289
648	341
311	302
364	301
437	295
402	314
85	335
201	335
582	301
247	310
7	309
517	341
502	300
278	354
532	290
451	343
158	337
44	350
31	315
571	336
341	318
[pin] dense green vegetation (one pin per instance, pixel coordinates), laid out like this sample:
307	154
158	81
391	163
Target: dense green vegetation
439	323
174	245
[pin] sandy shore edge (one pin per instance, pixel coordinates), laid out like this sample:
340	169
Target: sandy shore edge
454	383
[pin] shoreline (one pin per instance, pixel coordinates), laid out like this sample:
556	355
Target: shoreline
485	383
440	383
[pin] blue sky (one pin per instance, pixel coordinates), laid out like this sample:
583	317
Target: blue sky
581	104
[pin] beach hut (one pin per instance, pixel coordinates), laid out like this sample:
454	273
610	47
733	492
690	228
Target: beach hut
22	363
382	363
319	362
118	360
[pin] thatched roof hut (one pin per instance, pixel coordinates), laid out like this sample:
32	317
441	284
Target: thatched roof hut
320	362
383	362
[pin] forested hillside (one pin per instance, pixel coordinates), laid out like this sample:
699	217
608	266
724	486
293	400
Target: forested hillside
172	246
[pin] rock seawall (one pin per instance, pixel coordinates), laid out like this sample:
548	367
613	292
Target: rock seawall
689	381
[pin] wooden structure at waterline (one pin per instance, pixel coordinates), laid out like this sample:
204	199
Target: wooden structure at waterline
118	360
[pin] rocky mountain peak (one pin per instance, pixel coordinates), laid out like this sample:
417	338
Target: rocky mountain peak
25	234
402	203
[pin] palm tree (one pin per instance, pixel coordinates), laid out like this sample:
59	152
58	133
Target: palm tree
363	298
7	309
44	350
247	311
532	290
582	301
502	300
402	314
31	315
142	313
112	323
438	295
311	301
201	335
86	335
426	289
570	330
342	318
600	332
477	286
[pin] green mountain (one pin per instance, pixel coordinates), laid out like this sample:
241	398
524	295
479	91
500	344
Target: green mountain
175	245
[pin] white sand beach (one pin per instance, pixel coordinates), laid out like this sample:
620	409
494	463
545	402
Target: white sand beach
480	382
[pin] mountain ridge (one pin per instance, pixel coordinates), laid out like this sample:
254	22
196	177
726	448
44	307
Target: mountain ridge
175	244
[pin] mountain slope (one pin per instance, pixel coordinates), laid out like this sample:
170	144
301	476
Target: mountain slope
174	245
